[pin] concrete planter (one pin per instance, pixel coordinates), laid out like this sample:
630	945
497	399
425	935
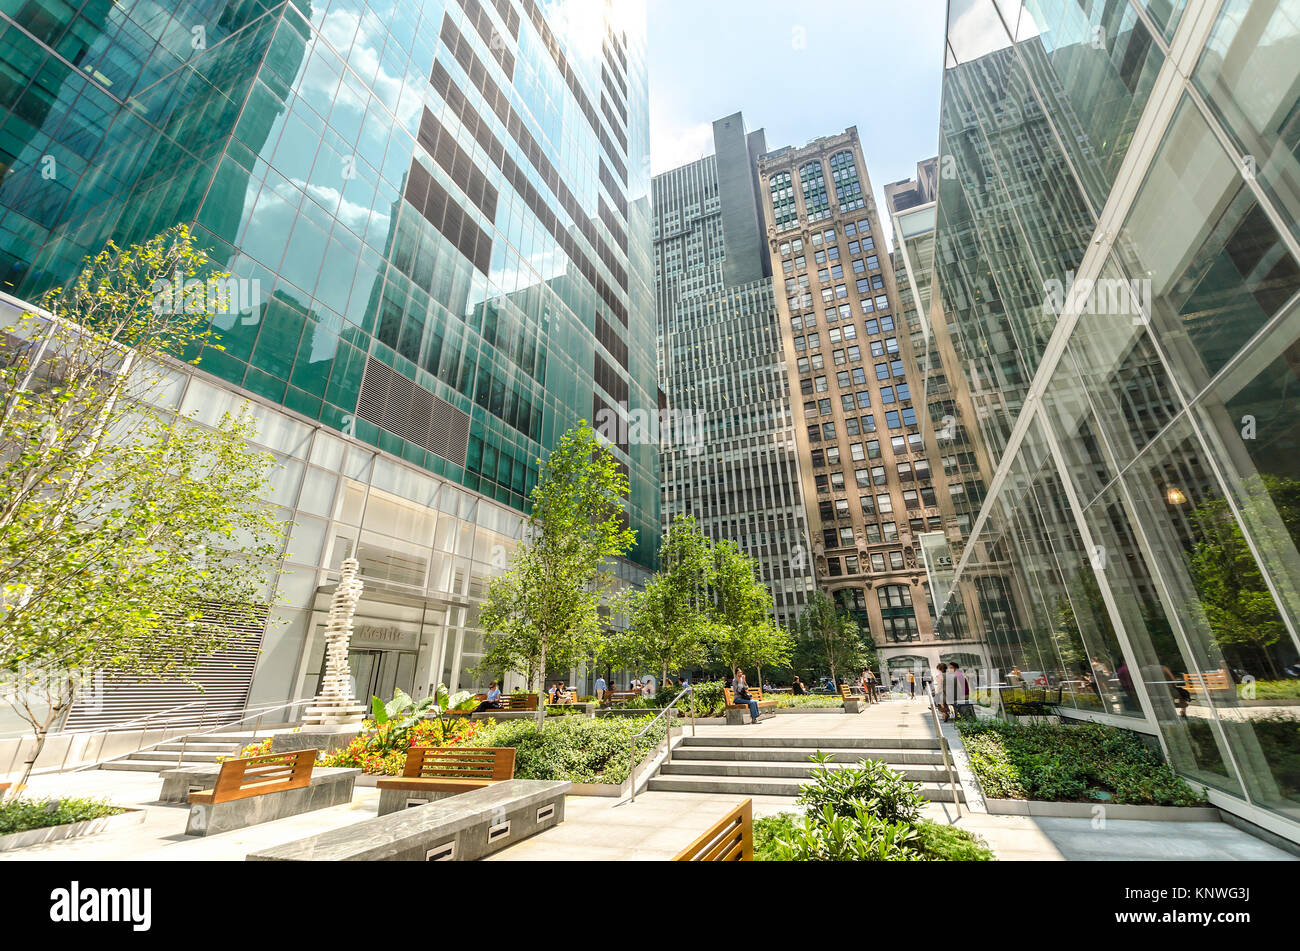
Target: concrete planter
625	787
1085	810
803	710
72	830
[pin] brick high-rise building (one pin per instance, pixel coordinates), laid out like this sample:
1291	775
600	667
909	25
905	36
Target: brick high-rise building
869	474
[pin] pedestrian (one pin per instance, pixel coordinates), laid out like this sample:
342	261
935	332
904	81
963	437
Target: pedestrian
941	692
798	689
493	701
602	689
911	685
961	692
740	692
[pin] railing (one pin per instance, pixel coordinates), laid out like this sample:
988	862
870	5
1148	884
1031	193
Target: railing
668	734
257	714
947	756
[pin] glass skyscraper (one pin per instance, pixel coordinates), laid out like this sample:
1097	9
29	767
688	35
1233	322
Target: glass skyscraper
443	207
1116	272
729	456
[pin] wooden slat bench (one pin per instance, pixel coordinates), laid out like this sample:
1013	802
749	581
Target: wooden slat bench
731	839
1203	683
738	713
622	696
257	789
516	702
852	704
433	773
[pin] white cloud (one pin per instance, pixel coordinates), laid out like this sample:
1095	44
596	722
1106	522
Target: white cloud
672	145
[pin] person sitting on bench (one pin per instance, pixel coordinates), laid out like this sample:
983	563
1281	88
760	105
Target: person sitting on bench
740	691
493	701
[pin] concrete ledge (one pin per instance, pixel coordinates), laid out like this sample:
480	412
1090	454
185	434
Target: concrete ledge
505	715
213	818
179	783
325	742
395	800
738	718
71	830
462	828
1086	810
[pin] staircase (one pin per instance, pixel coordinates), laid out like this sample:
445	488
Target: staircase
202	749
779	765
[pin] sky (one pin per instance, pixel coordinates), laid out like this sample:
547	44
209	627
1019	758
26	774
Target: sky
799	71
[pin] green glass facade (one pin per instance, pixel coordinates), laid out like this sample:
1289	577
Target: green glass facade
1116	274
444	206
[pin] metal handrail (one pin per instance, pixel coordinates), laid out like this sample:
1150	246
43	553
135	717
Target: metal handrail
250	713
947	761
668	733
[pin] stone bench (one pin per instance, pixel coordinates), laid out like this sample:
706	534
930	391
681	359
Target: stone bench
328	787
461	829
180	782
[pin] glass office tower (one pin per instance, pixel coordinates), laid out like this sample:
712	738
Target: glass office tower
443	209
729	457
1116	265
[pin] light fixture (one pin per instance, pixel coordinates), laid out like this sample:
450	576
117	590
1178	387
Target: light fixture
1175	496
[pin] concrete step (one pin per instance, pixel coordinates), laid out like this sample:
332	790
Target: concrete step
815	743
191	756
198	747
147	765
792	755
751	786
791	770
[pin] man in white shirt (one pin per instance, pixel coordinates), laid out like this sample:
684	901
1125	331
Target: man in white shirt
602	688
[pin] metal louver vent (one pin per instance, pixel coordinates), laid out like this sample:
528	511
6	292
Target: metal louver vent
406	409
224	679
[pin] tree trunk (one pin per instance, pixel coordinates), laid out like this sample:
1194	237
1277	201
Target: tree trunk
42	733
541	688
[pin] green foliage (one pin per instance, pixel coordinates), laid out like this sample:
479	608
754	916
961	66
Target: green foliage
576	749
943	843
825	836
669	620
394	720
836	640
1271	689
767	830
20	815
1058	763
743	633
545	608
122	531
709	699
870	786
809	701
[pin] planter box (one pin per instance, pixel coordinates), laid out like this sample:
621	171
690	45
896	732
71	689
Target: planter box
803	710
1084	810
72	830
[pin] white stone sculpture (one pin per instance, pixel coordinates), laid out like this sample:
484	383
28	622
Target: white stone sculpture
336	709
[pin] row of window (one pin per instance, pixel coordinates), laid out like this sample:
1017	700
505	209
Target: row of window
812	182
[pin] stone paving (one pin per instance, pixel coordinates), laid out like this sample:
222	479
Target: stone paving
654	827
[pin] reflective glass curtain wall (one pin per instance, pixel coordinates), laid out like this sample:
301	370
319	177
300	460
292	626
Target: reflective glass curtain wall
1116	266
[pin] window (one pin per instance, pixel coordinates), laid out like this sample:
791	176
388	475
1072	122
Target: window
896	560
846	538
878	475
840	359
877	562
842	508
886	395
837	481
842	379
819	459
851	425
864	401
814	433
856	452
882	371
873	449
781	187
892	420
824	407
911	499
862	478
848	187
859	376
850	564
828	430
812	181
868	504
821	384
905	472
884	502
868	423
833	455
889	532
846	401
873	533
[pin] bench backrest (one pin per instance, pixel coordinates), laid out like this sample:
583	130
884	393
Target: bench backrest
519	701
431	762
731	839
844	692
257	775
1214	680
755	693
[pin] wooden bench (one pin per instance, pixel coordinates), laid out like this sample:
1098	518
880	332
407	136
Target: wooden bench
433	773
1203	683
259	775
620	696
730	840
518	702
852	704
737	712
257	789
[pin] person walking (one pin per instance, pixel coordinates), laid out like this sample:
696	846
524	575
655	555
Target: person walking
941	692
602	689
911	685
960	692
740	692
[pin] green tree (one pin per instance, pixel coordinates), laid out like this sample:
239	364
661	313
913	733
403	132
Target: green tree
836	639
742	607
546	606
669	619
123	534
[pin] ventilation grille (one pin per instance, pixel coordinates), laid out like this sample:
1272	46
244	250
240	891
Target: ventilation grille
404	408
220	685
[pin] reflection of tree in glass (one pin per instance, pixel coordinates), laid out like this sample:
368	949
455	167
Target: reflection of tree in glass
1237	603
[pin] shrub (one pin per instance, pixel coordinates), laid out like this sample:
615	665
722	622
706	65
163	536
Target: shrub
942	843
1071	763
382	759
824	836
870	786
576	749
816	701
20	815
767	830
709	700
